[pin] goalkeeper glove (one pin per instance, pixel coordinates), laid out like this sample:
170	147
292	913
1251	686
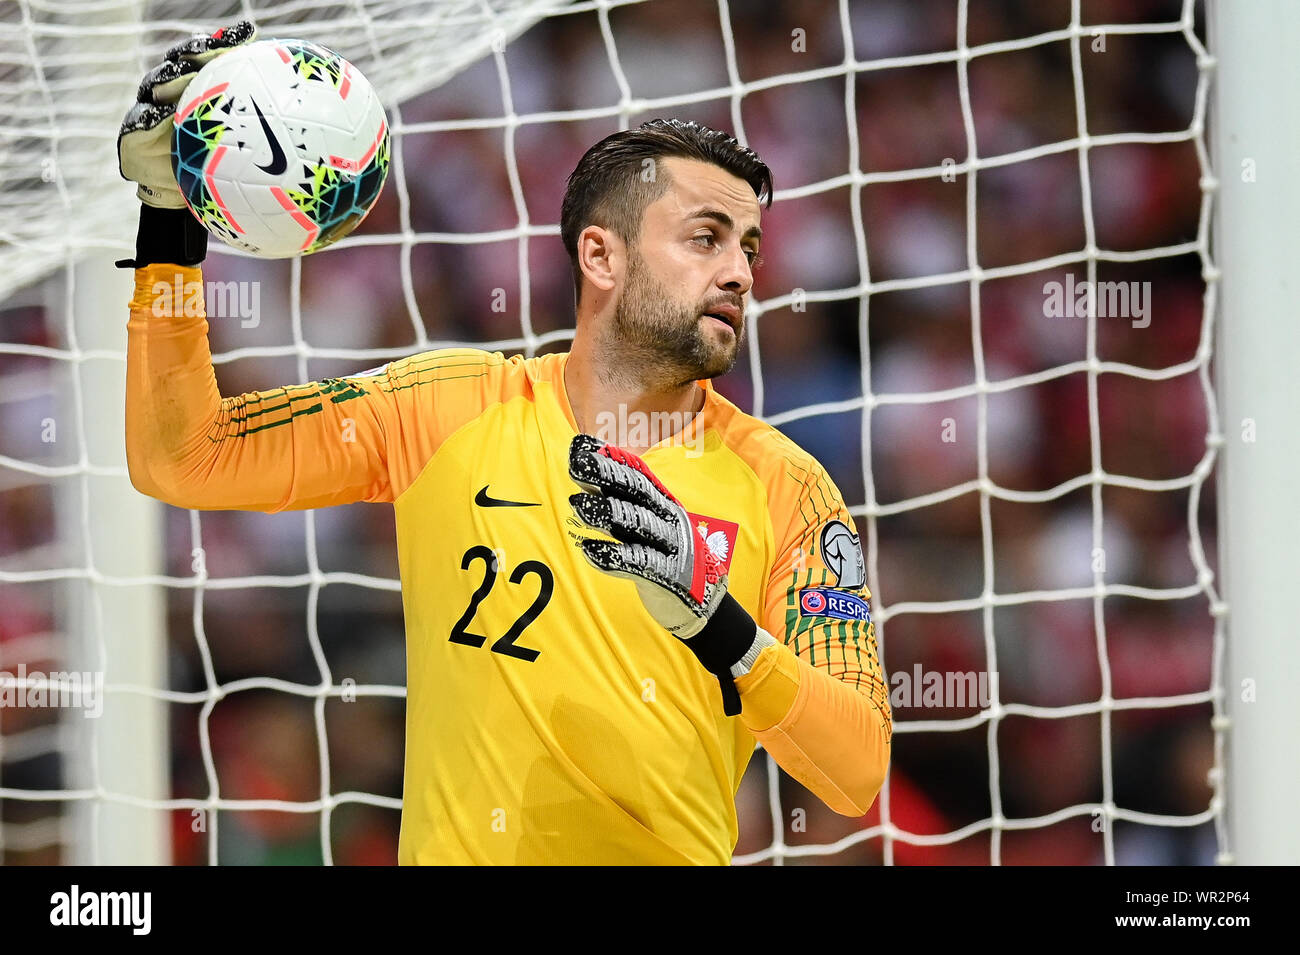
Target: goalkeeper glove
679	579
144	141
167	232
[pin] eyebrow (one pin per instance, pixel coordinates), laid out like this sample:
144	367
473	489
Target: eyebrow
720	217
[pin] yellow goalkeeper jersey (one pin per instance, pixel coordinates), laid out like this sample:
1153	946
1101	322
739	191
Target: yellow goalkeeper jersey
549	718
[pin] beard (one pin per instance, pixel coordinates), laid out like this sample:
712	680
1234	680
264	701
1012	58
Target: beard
665	340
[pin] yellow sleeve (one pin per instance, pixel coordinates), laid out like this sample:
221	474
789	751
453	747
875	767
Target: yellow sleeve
335	441
818	700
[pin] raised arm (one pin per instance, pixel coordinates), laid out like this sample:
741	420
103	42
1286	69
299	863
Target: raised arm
303	446
309	445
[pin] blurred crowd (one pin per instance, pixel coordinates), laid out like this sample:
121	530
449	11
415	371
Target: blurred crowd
832	345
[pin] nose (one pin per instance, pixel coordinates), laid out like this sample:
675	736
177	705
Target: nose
735	274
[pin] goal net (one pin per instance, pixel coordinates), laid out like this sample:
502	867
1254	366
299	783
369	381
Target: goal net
987	308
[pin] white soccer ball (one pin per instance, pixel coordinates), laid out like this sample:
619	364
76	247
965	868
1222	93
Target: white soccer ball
281	147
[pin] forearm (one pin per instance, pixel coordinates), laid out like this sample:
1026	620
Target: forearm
171	391
172	399
829	736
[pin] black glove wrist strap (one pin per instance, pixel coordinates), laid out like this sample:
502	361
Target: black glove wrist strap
722	643
170	236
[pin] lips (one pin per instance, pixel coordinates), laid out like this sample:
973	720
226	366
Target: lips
726	313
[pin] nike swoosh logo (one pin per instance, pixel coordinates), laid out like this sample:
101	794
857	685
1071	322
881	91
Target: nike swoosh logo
482	500
278	163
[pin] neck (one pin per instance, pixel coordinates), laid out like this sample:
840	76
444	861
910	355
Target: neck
625	400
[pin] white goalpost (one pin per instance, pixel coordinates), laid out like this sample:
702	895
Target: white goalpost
65	216
1258	241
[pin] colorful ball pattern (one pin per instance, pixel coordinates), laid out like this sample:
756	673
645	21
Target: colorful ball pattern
281	147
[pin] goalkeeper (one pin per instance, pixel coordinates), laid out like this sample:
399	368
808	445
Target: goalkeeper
597	634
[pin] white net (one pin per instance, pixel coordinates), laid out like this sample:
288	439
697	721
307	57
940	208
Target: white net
1031	480
66	68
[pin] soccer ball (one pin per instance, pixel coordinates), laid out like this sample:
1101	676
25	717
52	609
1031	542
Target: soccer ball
281	147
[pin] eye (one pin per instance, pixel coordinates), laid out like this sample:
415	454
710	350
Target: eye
708	238
755	260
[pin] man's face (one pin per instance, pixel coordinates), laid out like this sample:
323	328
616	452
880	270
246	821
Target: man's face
689	274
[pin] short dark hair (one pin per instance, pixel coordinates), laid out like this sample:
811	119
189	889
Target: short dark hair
607	187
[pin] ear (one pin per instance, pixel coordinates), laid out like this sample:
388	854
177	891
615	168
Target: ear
602	257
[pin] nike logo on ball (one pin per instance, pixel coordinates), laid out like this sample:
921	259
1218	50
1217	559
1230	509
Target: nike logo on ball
482	500
278	163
